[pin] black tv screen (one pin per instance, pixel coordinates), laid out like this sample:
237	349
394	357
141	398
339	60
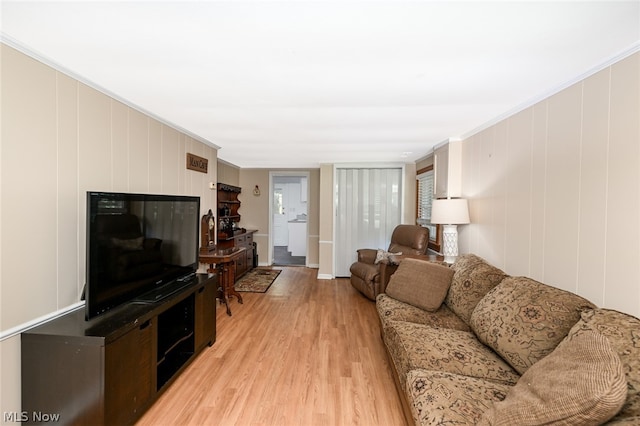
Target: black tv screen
137	243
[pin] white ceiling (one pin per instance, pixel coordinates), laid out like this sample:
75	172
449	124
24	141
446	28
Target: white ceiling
283	84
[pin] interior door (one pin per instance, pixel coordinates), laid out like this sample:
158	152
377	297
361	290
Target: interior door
280	231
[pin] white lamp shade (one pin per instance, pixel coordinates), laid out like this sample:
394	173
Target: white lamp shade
450	211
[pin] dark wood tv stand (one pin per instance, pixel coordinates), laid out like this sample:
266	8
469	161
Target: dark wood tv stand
109	370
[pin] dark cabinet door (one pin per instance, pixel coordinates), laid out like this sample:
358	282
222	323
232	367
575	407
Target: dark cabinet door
50	385
129	374
205	328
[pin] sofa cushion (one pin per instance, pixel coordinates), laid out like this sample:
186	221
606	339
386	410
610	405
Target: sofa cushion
390	309
413	346
420	283
580	382
524	320
623	332
438	398
472	280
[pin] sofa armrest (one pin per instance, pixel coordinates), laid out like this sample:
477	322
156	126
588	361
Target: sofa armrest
367	256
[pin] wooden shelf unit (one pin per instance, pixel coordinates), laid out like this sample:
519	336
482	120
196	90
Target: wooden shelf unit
110	369
228	211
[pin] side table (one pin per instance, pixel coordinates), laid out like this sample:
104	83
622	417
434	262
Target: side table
222	262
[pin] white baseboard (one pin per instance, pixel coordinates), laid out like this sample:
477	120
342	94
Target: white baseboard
325	277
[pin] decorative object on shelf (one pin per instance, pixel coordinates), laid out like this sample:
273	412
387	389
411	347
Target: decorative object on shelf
450	212
256	191
208	233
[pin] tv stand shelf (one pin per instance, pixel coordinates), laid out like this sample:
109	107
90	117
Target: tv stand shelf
110	369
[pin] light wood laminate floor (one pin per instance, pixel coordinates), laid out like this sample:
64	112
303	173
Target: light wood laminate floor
307	352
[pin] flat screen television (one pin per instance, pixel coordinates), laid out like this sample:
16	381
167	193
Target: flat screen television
140	247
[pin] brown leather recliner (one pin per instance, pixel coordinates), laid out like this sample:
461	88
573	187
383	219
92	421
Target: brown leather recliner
370	278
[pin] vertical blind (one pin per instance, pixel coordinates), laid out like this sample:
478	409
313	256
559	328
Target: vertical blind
367	211
425	197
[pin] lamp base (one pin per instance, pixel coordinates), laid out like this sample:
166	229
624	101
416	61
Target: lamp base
450	243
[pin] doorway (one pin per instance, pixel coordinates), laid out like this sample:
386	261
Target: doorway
289	213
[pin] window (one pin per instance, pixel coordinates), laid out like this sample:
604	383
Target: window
424	197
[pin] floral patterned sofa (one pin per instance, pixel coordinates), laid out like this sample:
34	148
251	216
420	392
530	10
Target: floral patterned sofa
470	345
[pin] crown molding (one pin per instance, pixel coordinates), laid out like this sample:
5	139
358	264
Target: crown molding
11	42
634	48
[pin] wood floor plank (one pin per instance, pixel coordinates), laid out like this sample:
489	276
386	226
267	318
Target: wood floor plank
307	352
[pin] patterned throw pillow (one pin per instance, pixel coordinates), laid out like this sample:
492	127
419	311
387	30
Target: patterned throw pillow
581	382
472	280
420	283
524	320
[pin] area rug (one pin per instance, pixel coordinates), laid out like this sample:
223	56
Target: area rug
257	280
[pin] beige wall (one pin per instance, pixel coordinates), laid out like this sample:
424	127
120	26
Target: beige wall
409	194
424	162
555	189
59	139
228	173
326	219
255	209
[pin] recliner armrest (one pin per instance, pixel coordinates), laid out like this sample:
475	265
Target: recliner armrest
367	255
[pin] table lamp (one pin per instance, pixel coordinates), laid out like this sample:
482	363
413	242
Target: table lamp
450	212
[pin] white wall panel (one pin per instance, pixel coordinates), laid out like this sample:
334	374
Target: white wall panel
183	175
94	132
69	198
538	191
138	152
29	176
155	156
623	188
120	146
593	187
172	165
518	182
563	173
570	213
499	196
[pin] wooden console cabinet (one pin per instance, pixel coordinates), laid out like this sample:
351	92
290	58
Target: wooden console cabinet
109	370
242	239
